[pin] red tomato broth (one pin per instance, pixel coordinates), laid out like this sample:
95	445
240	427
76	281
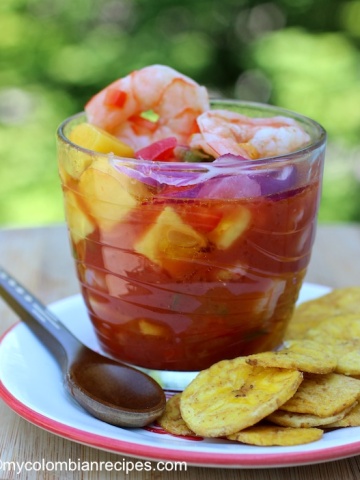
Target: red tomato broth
189	312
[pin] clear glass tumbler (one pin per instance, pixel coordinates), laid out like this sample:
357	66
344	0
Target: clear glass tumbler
185	264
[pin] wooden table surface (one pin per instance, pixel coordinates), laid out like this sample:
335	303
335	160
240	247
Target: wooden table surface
40	259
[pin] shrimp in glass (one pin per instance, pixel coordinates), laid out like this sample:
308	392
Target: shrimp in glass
223	132
173	100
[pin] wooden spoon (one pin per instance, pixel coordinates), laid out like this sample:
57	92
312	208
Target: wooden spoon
113	392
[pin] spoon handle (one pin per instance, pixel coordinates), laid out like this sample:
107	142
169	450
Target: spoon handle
43	323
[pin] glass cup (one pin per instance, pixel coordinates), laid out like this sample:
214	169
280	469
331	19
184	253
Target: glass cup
182	265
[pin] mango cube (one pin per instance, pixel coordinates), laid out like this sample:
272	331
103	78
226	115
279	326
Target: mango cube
147	327
98	140
105	193
79	224
72	163
232	225
170	242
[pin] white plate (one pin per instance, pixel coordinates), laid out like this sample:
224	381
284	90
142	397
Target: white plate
31	384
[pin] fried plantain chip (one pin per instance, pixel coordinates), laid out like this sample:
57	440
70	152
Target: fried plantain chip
345	327
340	333
309	314
305	420
324	395
351	419
306	316
267	435
348	357
171	420
303	355
232	395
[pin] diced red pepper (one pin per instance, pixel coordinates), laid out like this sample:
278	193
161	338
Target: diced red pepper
161	150
115	98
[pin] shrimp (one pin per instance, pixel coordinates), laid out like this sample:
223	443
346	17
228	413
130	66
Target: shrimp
222	132
174	100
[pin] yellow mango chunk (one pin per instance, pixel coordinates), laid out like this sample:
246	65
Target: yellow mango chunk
150	328
134	187
231	227
105	193
170	242
72	163
98	140
79	223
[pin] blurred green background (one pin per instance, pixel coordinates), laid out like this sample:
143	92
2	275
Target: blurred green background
55	54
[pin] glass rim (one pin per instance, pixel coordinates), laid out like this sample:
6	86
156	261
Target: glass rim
291	156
